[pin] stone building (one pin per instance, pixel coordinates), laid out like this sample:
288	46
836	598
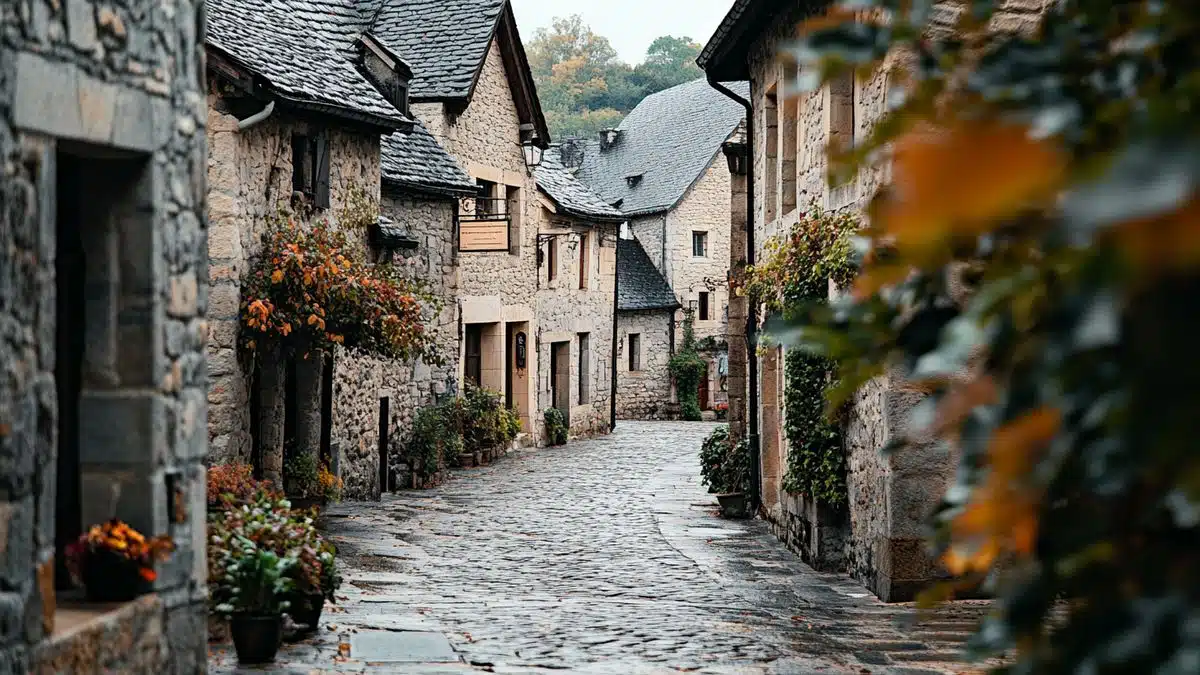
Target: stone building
102	325
295	127
645	335
879	534
576	298
664	169
472	89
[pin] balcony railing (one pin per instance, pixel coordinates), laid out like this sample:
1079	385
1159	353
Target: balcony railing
483	224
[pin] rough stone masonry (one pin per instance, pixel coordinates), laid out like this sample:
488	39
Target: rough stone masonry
102	306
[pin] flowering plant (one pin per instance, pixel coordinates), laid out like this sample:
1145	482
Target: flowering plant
311	289
329	484
234	484
118	541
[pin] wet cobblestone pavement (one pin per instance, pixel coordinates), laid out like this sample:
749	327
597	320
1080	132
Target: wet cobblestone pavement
604	556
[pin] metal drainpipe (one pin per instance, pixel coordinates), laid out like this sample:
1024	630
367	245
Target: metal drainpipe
256	117
751	310
612	383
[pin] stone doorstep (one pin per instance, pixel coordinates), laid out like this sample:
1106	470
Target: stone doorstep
87	635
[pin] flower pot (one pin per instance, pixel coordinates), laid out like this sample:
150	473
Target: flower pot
466	459
110	577
306	503
734	505
256	638
306	610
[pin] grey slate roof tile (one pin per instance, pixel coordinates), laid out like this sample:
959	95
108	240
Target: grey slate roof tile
416	161
640	286
445	41
264	36
669	139
568	193
338	23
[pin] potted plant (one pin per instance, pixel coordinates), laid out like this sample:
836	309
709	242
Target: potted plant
257	582
301	476
329	485
308	600
556	427
114	562
231	485
725	470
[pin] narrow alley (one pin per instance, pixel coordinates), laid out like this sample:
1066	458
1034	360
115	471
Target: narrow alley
604	556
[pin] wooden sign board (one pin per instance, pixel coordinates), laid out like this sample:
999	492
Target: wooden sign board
482	236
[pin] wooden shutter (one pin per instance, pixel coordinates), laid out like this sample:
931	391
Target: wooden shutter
322	164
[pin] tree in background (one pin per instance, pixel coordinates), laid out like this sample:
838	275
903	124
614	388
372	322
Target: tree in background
584	87
1054	173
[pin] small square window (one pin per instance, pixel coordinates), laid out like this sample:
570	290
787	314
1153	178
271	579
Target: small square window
635	352
704	308
700	244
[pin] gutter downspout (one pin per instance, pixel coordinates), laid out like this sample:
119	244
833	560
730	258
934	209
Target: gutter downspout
256	117
612	350
751	309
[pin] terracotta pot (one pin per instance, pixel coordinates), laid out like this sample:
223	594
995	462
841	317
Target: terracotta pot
734	505
256	638
109	577
306	610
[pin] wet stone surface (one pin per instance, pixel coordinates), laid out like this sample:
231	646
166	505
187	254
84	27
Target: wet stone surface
603	556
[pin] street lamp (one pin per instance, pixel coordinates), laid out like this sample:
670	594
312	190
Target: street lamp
533	153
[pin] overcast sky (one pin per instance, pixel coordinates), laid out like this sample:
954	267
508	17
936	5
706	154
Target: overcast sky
631	25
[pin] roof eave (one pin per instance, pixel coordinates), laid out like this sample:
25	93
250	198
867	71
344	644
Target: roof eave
350	114
442	190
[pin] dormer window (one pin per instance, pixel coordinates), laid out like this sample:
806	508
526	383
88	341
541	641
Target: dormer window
387	71
634	180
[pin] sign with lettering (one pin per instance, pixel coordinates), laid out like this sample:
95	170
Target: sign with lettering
521	353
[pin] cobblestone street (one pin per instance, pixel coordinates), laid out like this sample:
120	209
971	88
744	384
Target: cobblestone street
603	556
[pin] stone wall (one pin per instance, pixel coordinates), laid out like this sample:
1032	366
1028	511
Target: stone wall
250	181
645	394
889	497
704	208
101	128
565	312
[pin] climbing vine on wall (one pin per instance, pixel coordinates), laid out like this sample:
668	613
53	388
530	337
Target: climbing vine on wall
687	367
795	273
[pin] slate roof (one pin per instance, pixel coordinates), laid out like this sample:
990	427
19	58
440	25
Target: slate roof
264	37
445	41
669	139
640	286
336	22
569	194
416	161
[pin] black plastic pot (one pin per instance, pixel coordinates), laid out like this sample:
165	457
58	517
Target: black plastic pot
734	505
306	609
256	638
108	577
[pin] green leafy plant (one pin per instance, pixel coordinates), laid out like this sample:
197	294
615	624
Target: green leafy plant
556	427
331	581
487	423
301	475
816	458
724	466
1034	268
258	580
435	438
687	367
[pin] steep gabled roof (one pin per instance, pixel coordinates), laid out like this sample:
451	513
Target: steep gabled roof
414	161
446	43
571	196
640	286
725	57
663	147
263	37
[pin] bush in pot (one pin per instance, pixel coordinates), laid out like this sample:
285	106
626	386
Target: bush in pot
725	470
256	583
556	427
114	562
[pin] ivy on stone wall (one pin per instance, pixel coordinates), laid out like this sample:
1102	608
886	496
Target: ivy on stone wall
687	367
795	273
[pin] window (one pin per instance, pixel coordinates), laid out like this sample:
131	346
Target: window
583	260
310	167
771	187
513	205
552	259
635	352
841	132
485	204
585	370
473	363
789	126
704	313
700	244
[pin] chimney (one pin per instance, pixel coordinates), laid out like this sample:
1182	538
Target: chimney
571	153
608	138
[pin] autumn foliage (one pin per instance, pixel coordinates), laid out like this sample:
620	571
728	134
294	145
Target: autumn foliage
311	289
118	539
1053	174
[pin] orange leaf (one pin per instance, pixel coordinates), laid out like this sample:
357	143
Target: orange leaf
277	276
963	181
1165	242
1014	445
148	573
